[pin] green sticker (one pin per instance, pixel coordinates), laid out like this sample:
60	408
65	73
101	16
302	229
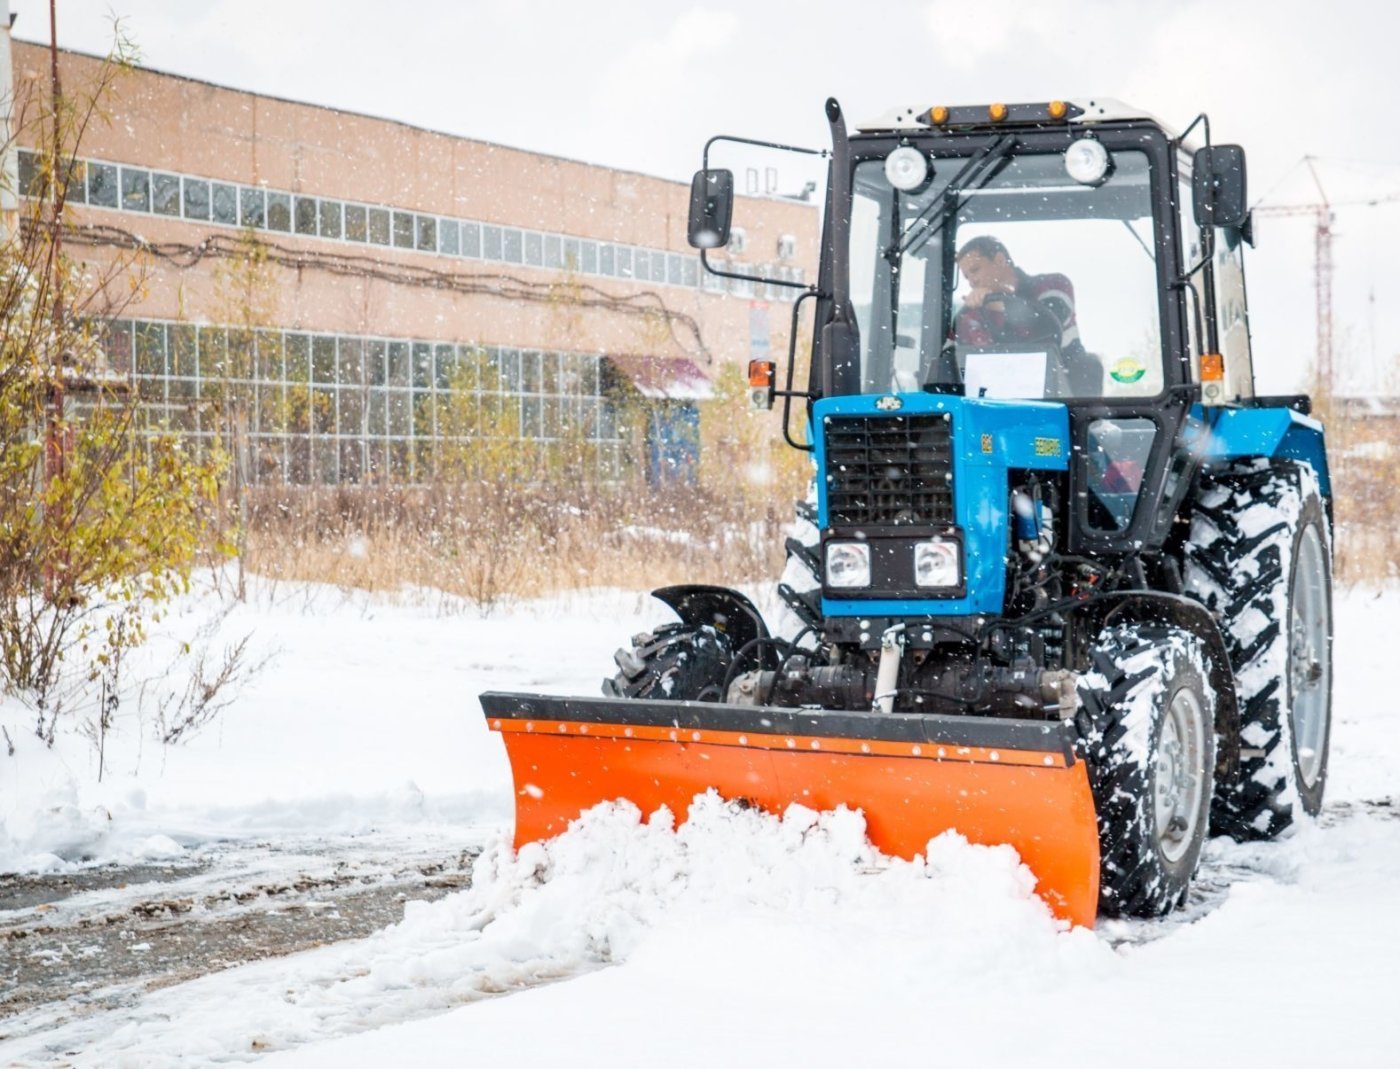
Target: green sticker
1127	370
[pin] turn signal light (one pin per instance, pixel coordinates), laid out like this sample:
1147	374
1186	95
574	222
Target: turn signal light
761	376
761	373
997	112
1212	367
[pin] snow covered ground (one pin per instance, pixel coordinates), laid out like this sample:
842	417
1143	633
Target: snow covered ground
742	939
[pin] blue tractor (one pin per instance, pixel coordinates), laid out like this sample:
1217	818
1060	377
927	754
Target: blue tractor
1064	580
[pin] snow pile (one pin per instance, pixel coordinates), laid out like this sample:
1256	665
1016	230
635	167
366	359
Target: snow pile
614	888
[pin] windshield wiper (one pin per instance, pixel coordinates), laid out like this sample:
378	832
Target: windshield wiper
1138	236
977	170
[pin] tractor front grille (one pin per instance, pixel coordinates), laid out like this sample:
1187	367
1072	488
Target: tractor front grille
889	470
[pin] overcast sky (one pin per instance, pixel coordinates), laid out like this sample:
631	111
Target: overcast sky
640	84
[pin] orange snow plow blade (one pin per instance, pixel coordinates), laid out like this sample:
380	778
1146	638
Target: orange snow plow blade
913	775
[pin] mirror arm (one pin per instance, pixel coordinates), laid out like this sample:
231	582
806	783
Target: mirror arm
705	156
1184	283
1202	120
705	165
712	269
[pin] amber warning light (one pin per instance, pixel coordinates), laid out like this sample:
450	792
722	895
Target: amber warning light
761	376
1212	378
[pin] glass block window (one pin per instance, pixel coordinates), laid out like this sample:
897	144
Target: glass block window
136	190
102	189
304	215
378	226
224	203
427	233
252	205
165	194
449	237
471	240
279	212
356	223
328	218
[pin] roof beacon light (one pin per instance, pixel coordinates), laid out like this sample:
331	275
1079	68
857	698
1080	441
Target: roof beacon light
1087	161
997	112
906	168
938	115
1057	109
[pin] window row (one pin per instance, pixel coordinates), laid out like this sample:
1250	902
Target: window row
372	412
153	349
284	459
137	189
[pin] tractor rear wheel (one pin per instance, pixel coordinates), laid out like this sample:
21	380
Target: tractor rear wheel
673	663
1259	558
1147	727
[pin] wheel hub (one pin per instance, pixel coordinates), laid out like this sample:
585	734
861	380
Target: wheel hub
1309	669
1177	775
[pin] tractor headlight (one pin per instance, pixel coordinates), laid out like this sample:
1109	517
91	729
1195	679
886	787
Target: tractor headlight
1087	161
847	564
906	168
937	563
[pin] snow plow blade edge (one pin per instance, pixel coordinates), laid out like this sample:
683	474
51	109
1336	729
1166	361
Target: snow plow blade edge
914	775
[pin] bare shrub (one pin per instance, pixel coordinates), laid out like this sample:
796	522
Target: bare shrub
214	682
97	526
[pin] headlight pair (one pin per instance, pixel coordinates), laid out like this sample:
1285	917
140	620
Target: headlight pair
937	564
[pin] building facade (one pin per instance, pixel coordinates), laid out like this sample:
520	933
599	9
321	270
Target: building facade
368	295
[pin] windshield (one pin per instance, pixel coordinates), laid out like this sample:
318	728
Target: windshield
1004	277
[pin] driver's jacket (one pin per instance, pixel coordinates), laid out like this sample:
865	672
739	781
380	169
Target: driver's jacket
1055	293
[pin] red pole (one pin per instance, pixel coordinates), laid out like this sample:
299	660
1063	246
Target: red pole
55	440
55	451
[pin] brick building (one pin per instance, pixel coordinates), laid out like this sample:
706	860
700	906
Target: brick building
406	288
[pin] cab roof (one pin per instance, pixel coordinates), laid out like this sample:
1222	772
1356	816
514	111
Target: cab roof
1079	111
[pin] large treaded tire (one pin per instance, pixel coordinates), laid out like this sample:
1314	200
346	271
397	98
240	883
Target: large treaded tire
1137	753
672	663
1242	562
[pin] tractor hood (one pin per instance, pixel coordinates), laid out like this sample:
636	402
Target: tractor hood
918	478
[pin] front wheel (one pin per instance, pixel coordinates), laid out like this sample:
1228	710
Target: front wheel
673	663
1147	729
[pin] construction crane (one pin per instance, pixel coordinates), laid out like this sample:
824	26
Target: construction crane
1323	211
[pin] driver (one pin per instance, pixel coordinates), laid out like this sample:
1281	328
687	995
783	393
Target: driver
1005	304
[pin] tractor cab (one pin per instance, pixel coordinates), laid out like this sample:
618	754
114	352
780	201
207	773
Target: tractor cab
1056	253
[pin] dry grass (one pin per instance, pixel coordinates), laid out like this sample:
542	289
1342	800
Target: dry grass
493	543
1364	456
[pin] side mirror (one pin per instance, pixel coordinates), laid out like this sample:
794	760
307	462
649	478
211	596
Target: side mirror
711	209
1218	186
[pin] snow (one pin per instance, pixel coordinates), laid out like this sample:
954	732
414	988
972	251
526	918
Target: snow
738	939
365	714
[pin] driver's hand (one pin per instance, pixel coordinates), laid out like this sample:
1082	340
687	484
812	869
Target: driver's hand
979	294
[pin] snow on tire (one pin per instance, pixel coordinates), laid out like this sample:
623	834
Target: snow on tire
672	663
1259	557
800	584
1147	731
